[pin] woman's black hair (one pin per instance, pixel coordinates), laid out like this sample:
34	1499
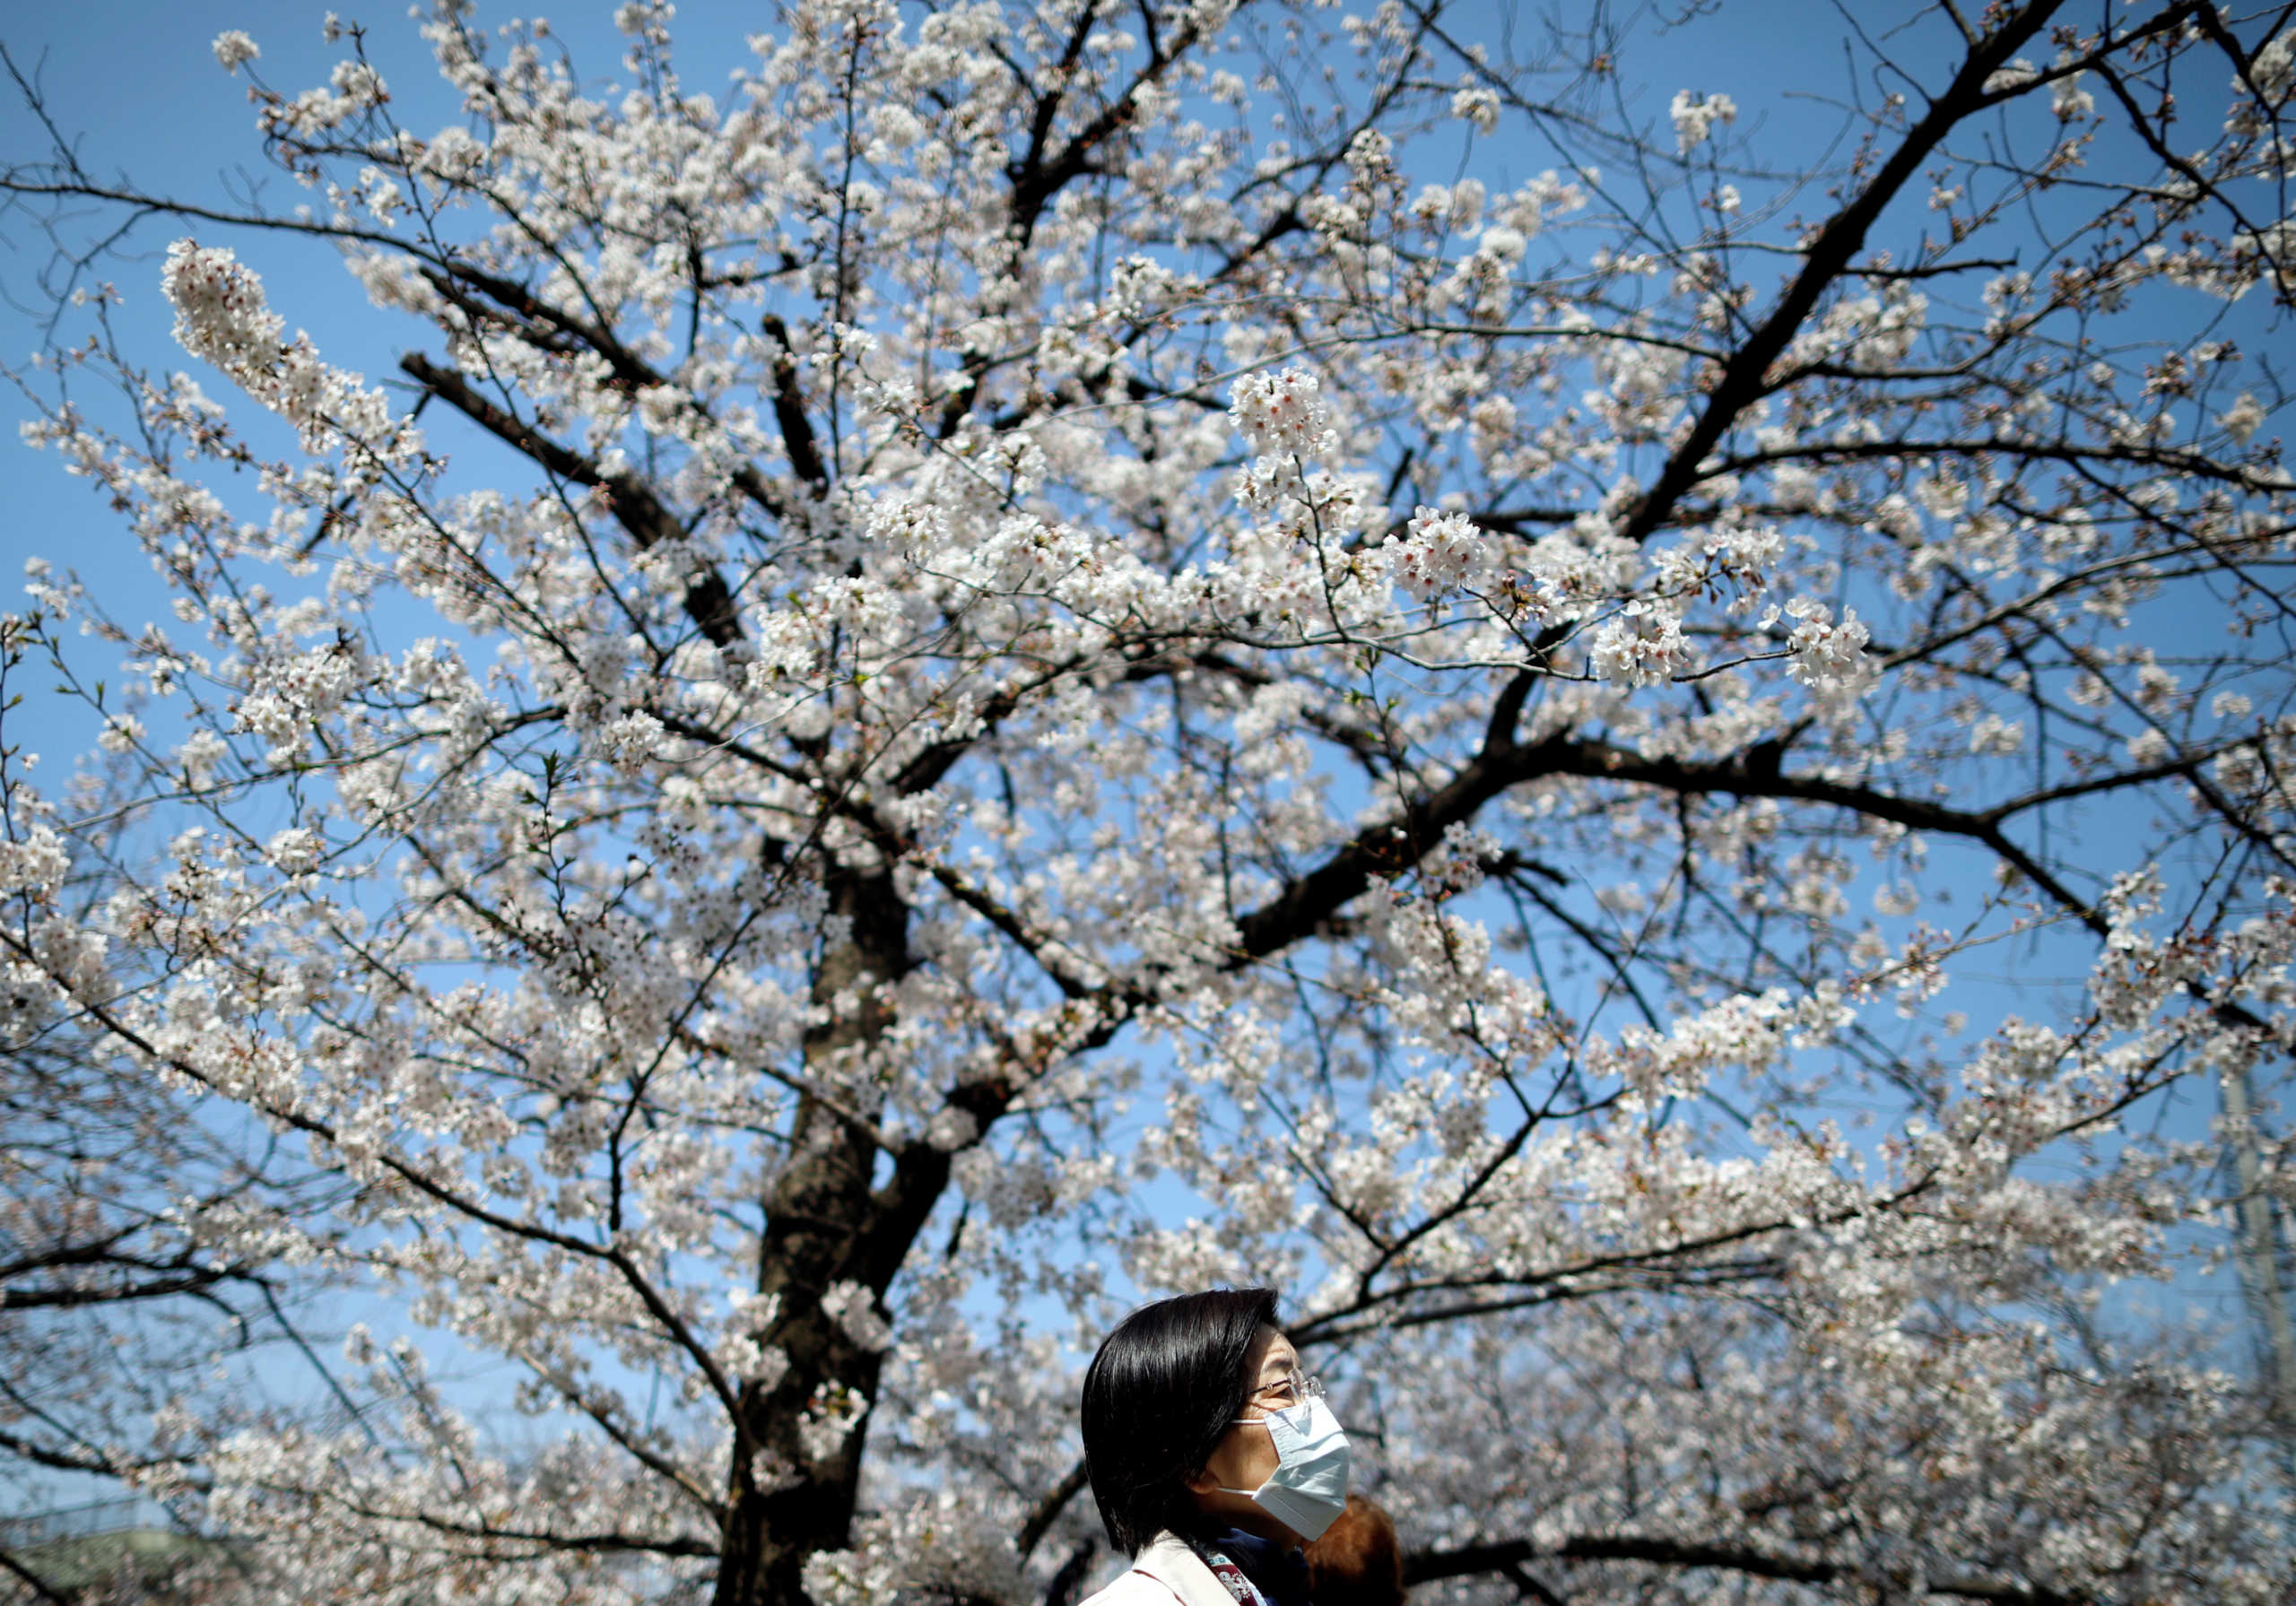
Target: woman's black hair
1163	1388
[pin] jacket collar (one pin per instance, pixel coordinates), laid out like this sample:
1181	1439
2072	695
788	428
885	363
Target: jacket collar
1168	1560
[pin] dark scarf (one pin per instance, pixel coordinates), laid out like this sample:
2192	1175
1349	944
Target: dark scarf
1277	1571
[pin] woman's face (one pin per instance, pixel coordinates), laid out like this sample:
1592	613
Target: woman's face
1245	1456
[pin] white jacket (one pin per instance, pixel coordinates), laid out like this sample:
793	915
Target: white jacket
1164	1569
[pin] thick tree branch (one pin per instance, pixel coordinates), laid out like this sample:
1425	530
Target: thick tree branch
708	602
1746	375
1427	1566
1047	1511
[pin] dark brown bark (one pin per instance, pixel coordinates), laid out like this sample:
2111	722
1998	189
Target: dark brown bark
647	520
819	1210
1747	375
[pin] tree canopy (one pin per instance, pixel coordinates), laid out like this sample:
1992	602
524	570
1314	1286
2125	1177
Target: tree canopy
1050	653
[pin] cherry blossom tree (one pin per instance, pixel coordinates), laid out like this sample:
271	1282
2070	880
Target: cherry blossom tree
1052	653
133	1250
133	1236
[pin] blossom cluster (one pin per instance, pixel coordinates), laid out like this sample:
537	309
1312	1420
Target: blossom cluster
1283	413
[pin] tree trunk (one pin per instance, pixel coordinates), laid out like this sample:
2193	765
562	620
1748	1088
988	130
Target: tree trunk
785	1503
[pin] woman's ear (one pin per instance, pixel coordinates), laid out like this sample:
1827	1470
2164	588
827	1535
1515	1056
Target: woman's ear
1201	1481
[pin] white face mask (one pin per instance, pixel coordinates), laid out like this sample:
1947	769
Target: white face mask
1307	1490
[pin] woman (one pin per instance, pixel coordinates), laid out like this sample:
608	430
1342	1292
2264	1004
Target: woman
1211	1457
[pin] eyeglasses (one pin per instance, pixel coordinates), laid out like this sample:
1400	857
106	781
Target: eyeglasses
1293	1389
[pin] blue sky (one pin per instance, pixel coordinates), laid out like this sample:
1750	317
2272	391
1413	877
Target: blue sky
135	85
